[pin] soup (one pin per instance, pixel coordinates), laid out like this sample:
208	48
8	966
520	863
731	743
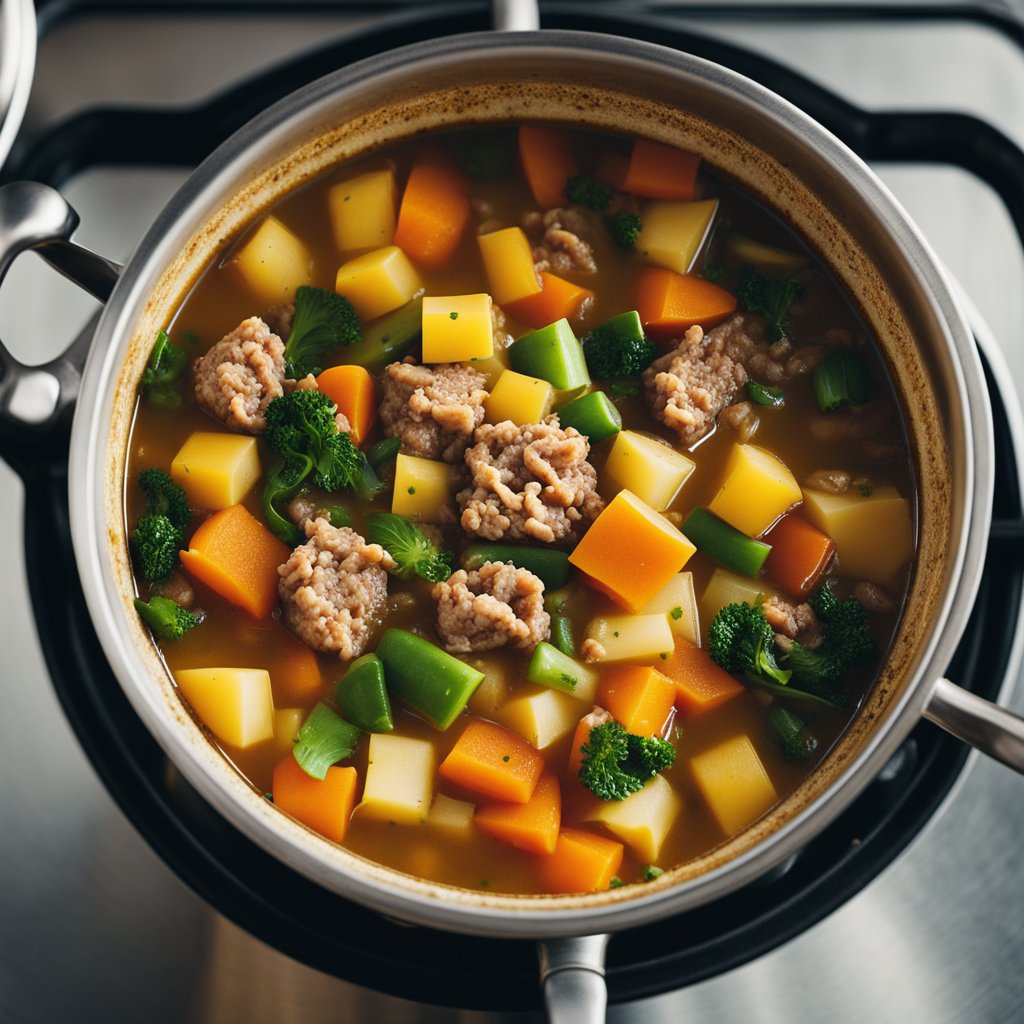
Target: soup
554	552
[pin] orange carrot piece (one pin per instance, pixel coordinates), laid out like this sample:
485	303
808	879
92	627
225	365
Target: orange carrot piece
351	389
493	762
557	298
639	697
612	168
294	670
579	737
326	806
548	163
532	826
236	556
700	684
582	862
435	208
670	303
657	171
799	554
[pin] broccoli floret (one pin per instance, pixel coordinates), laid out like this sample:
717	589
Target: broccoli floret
771	298
300	424
323	320
624	227
409	546
609	354
617	764
846	641
741	640
343	466
584	190
168	620
166	498
796	742
166	364
156	542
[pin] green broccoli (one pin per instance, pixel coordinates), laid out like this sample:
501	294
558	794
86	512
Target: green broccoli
169	621
771	298
409	546
612	352
323	321
583	190
166	498
624	227
796	742
617	764
166	364
156	542
741	640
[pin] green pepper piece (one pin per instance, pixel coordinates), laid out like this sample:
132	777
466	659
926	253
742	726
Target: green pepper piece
561	635
324	739
425	677
362	697
550	667
553	354
387	339
593	415
724	543
549	565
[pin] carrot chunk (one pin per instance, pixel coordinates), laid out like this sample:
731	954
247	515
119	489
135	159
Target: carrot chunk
236	556
556	300
351	389
799	554
294	669
670	303
435	208
532	826
582	862
657	171
579	737
548	163
612	168
639	697
700	684
325	807
493	762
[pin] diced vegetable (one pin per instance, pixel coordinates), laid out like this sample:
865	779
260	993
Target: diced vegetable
322	322
657	171
553	354
383	451
726	587
841	378
457	328
750	252
733	782
557	298
352	391
362	697
671	303
324	739
550	667
414	553
584	190
579	738
677	600
508	261
160	378
618	347
799	555
675	232
771	298
452	816
378	281
701	685
532	826
422	488
631	551
548	163
724	543
647	467
236	556
616	763
293	667
561	635
235	704
541	715
593	415
387	339
274	262
761	394
796	743
639	697
582	862
489	696
624	227
519	398
216	470
324	806
429	679
756	489
493	762
641	821
168	620
549	565
632	637
399	779
287	722
363	211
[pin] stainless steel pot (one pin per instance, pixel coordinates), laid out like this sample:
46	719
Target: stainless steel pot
772	149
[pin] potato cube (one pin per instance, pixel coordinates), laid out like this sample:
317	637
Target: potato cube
632	637
519	398
287	722
756	490
235	704
399	779
642	820
757	254
452	816
508	261
874	533
273	263
542	715
726	587
422	488
378	282
733	781
457	328
216	470
649	468
363	211
674	232
493	690
677	600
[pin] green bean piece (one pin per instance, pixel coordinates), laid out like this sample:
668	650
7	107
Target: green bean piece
556	600
387	339
762	394
362	697
553	354
552	667
549	565
561	635
724	543
593	415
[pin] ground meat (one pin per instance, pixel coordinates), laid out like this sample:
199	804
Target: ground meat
333	589
241	375
176	588
742	418
529	482
874	598
832	481
280	319
502	338
497	605
688	387
432	409
562	248
593	650
302	510
793	622
595	718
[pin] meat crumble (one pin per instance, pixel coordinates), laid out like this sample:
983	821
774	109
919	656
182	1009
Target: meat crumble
562	248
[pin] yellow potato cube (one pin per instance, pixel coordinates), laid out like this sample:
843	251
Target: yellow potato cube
399	779
235	704
287	722
453	816
363	211
493	689
874	533
422	488
733	781
457	328
216	470
508	261
674	232
378	282
273	263
677	600
758	254
756	490
652	470
642	638
492	367
642	820
519	398
726	587
542	715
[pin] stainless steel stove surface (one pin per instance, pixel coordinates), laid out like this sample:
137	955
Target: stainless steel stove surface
93	926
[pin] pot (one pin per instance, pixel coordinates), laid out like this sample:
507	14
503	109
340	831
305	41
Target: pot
778	154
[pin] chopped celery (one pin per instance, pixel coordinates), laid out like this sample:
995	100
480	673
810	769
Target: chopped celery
362	696
386	339
724	543
549	565
324	739
561	635
841	378
550	667
593	415
552	354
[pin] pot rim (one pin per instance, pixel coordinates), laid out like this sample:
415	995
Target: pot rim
218	177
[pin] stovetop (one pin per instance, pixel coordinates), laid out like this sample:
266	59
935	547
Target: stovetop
94	927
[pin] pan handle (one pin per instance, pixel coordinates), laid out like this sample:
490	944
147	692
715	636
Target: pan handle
985	726
515	15
572	974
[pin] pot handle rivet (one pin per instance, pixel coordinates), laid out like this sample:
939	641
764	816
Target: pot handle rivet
572	976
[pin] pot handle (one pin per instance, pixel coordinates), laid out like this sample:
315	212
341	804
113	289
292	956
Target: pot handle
35	399
572	975
985	726
515	15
